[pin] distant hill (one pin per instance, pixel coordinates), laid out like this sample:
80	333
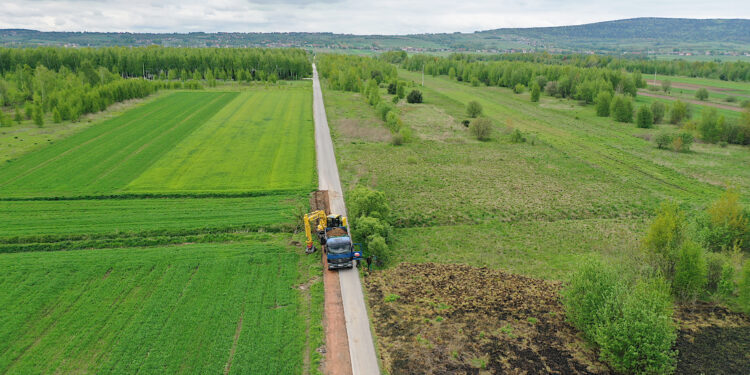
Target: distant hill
637	35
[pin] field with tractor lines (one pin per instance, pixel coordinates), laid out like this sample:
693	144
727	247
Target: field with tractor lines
261	140
194	308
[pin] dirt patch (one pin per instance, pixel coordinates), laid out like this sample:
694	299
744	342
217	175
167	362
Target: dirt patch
351	129
336	232
319	201
712	340
697	102
456	319
692	86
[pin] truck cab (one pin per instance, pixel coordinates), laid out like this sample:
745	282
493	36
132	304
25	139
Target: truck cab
340	251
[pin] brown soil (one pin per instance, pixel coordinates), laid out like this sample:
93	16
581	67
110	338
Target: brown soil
712	340
698	102
319	201
335	232
456	319
337	360
352	129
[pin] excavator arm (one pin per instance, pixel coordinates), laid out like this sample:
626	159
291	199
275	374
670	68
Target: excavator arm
320	216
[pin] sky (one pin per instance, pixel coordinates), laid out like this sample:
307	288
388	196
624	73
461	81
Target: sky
341	16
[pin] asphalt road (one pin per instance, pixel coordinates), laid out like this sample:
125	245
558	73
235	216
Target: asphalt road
361	347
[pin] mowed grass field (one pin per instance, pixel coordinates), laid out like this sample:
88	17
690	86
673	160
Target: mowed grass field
185	309
261	140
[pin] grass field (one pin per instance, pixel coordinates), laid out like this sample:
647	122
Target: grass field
184	309
261	140
104	158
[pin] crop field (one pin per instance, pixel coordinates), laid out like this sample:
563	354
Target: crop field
184	309
262	140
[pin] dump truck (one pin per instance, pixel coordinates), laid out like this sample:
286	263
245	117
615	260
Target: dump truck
334	237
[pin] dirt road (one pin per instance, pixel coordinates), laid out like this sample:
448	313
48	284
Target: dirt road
361	346
698	102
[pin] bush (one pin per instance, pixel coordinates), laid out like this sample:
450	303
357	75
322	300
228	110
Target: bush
38	116
466	123
690	276
395	99
415	96
392	88
377	247
715	263
663	140
517	137
658	109
725	224
519	88
665	237
393	121
397	139
744	288
726	285
363	201
535	92
701	94
711	125
621	109
473	109
666	85
481	128
551	89
645	118
383	109
586	294
366	226
639	335
603	101
682	142
679	112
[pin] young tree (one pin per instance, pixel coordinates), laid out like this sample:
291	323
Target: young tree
663	140
401	90
452	73
481	128
38	116
473	109
658	109
56	116
535	91
28	110
415	96
645	118
710	125
679	112
603	101
701	94
666	85
622	109
18	116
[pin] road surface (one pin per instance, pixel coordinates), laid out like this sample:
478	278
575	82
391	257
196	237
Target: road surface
361	346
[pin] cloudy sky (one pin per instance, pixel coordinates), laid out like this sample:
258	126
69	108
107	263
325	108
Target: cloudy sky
341	16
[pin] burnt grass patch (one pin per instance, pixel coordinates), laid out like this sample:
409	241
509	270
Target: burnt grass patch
712	340
457	319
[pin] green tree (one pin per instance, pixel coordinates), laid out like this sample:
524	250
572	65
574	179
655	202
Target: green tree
663	140
18	116
401	91
363	201
666	85
622	109
452	73
535	92
701	94
415	96
603	102
658	109
665	237
38	116
710	125
690	275
473	109
682	142
28	110
645	118
56	116
679	112
481	128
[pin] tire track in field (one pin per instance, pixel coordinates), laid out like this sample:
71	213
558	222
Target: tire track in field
161	135
74	148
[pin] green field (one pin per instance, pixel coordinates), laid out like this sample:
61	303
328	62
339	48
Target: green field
184	309
261	140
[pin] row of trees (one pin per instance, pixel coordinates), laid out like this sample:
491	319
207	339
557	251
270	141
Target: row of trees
151	61
564	81
726	70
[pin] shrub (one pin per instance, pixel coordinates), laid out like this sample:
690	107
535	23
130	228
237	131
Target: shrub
682	142
377	247
56	116
466	123
639	336
401	90
395	99
586	294
744	288
726	285
603	101
18	118
621	109
415	96
710	126
665	237
517	137
701	94
392	88
725	224
645	118
474	81
393	121
535	92
663	140
519	88
473	109
715	263
731	99
383	109
658	109
406	133
481	128
666	85
679	112
397	139
551	89
38	116
366	226
690	275
5	120
363	201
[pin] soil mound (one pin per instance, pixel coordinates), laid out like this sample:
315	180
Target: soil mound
335	232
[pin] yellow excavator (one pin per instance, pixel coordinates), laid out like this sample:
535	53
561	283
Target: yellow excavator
333	234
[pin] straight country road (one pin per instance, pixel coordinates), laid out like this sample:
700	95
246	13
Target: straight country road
361	346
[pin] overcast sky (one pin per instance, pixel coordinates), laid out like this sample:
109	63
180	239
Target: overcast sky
341	16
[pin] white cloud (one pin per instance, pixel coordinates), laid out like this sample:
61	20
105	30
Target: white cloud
340	16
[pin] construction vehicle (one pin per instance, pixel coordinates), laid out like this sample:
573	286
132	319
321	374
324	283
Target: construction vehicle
333	235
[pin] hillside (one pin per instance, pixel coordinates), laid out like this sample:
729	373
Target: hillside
664	35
